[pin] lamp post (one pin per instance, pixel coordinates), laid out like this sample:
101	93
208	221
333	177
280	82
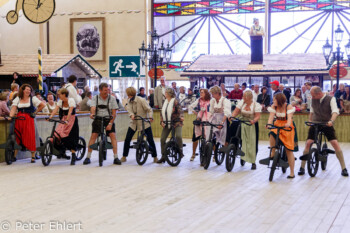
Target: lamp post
337	55
155	55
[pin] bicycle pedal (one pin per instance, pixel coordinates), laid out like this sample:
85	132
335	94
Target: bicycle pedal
304	157
223	149
283	164
183	145
94	146
134	143
322	158
328	151
109	145
240	152
265	161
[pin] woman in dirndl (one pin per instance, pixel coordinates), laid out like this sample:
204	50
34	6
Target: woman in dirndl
68	133
220	108
27	107
283	113
201	108
250	111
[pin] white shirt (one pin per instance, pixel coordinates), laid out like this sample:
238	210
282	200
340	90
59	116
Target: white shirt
281	114
73	93
71	103
36	102
255	96
333	103
226	104
241	105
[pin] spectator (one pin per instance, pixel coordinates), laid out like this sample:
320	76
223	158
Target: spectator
51	104
14	89
303	90
285	92
274	86
38	95
297	101
4	110
71	86
176	89
182	95
345	100
159	93
142	93
339	93
236	93
255	92
86	90
16	79
224	92
264	99
85	103
334	89
244	86
151	97
307	95
191	97
95	92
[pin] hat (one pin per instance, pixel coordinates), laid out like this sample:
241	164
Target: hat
275	82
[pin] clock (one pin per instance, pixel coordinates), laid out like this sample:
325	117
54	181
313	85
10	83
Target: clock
36	11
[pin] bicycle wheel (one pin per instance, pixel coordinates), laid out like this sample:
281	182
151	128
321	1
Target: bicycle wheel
208	150
325	154
201	150
142	152
81	149
219	156
101	152
274	165
312	163
230	157
46	155
172	154
284	157
9	155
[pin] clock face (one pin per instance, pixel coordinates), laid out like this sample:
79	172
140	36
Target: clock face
38	11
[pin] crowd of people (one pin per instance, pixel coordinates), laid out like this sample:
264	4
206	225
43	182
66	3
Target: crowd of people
212	105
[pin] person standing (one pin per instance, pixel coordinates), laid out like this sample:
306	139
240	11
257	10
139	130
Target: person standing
323	110
4	110
256	92
274	87
27	107
225	92
236	93
17	79
142	93
176	89
71	86
264	99
250	111
51	104
151	97
85	103
285	92
138	106
68	133
159	94
307	95
103	105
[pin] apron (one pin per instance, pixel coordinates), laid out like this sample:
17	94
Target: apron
248	136
205	115
217	118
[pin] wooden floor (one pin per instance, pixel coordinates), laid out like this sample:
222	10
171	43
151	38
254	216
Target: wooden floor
159	198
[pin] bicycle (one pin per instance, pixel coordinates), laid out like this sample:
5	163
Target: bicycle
141	145
102	145
317	154
202	141
280	157
35	11
173	154
54	146
208	148
234	148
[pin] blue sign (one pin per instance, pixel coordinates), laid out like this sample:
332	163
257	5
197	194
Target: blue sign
124	66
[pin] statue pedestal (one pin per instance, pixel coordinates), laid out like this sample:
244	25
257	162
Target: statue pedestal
256	46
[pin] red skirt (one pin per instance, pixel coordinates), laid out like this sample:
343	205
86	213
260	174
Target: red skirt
25	131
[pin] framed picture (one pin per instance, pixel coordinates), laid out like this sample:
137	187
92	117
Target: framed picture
87	37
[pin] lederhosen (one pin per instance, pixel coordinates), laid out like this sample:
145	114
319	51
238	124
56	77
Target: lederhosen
97	122
25	129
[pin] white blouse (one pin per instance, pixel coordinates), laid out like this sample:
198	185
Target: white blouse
241	105
222	102
281	114
36	103
71	103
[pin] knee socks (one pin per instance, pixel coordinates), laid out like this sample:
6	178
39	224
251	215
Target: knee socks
88	155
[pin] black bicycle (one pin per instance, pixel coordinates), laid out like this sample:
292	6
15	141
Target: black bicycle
54	146
219	155
102	144
141	145
202	141
234	148
280	157
318	152
173	152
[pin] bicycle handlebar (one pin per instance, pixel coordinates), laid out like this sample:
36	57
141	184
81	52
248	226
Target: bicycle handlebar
309	123
207	123
239	120
106	118
140	118
271	126
14	118
53	120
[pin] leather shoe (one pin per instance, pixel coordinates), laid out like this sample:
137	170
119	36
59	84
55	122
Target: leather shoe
155	160
86	161
117	161
162	160
301	171
123	159
290	177
344	172
253	166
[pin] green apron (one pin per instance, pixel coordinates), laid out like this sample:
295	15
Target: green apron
248	136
